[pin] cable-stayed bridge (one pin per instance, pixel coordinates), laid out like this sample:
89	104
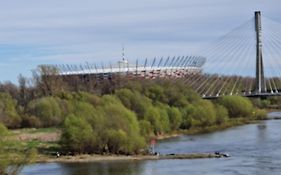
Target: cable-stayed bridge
245	62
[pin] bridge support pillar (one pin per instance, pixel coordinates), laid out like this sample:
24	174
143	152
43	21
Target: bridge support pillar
260	81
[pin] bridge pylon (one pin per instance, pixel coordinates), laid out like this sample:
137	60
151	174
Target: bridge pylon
260	81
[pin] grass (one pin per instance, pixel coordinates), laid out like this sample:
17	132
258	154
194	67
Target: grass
47	149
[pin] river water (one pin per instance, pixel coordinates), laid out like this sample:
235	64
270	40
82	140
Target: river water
254	149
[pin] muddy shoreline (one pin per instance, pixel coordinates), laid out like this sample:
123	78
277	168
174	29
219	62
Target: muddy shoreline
97	158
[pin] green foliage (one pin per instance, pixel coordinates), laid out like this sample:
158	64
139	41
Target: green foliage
13	153
187	116
153	116
3	131
31	122
237	106
175	117
260	114
78	135
8	113
204	114
107	127
146	129
120	118
134	101
116	141
264	103
47	110
221	114
121	122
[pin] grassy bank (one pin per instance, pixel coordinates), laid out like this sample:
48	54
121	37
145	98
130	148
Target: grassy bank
46	141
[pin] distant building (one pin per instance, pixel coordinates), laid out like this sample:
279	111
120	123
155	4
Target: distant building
171	67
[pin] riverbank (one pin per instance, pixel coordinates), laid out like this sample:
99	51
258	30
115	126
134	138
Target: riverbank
246	144
48	146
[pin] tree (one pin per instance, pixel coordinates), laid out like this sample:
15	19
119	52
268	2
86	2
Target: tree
47	110
78	135
13	154
204	114
237	106
221	114
47	80
187	116
153	116
120	119
175	117
8	114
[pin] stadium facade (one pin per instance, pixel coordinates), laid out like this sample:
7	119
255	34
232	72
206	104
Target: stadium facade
170	67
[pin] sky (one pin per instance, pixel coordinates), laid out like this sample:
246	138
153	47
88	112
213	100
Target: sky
34	32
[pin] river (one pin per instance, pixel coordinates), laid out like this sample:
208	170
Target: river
254	149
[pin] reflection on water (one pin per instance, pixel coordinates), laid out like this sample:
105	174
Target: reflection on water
255	149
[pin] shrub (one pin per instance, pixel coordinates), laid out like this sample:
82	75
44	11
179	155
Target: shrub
120	118
78	135
221	114
146	129
31	122
8	114
237	106
47	110
260	114
175	117
187	116
203	114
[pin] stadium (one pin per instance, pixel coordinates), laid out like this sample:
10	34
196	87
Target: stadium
170	67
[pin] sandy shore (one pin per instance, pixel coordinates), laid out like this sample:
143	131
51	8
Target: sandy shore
98	158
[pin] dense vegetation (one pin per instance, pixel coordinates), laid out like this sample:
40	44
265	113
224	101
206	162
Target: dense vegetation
117	115
13	153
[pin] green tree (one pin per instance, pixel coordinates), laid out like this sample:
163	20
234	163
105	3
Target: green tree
237	106
13	154
8	113
175	118
187	116
221	114
47	110
204	114
120	118
78	135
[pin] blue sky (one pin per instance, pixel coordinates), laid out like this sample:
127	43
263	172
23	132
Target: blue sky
34	32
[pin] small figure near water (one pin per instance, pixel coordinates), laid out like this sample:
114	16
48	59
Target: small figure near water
57	154
220	154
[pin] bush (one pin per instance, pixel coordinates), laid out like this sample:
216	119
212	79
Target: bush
8	114
78	135
47	110
259	114
146	129
134	101
120	118
153	116
221	114
237	106
203	114
116	141
187	116
175	118
3	131
31	122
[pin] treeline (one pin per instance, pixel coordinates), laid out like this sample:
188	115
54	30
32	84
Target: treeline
115	116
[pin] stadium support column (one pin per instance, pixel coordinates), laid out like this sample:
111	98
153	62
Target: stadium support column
260	82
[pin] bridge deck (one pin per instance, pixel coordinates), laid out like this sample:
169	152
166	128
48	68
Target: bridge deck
254	95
